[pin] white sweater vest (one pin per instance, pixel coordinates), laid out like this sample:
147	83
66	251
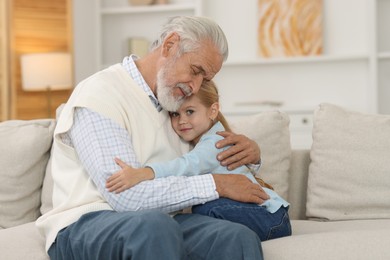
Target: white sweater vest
114	94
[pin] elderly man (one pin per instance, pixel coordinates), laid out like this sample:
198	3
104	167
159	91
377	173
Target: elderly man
122	112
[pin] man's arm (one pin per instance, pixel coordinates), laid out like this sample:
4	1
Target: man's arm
98	140
238	187
243	151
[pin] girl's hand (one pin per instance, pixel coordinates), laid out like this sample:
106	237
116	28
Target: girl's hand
243	150
127	177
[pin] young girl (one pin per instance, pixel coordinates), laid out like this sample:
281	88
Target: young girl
197	121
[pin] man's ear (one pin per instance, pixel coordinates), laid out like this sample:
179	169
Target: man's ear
170	42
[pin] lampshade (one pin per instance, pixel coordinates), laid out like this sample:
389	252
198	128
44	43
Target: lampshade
42	71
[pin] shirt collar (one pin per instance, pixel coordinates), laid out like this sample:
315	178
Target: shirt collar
128	64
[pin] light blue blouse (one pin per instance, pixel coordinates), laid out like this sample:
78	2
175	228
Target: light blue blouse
202	159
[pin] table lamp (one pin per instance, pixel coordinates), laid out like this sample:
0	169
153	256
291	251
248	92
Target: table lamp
46	72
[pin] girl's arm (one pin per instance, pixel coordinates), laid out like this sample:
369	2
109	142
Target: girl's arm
201	159
127	177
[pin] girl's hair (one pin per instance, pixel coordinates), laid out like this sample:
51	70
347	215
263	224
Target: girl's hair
192	31
208	95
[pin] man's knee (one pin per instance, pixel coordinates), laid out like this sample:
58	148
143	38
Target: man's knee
233	240
154	235
154	224
234	230
242	239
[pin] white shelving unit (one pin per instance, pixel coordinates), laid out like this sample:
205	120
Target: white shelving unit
352	72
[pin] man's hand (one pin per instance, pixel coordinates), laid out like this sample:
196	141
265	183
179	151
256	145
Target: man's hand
242	151
239	188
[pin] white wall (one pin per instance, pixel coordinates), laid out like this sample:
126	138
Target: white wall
345	21
84	38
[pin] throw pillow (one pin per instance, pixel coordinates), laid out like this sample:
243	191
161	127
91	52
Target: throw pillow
24	150
270	130
349	174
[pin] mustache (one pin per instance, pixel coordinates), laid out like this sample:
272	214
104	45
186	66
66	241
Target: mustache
185	88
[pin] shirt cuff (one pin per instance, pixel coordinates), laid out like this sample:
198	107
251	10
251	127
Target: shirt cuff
204	188
254	168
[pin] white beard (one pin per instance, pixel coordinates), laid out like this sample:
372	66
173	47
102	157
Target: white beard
165	92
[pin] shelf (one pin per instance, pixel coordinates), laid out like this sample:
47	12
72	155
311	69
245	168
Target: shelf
147	9
293	60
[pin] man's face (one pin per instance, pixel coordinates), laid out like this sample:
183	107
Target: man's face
182	76
166	95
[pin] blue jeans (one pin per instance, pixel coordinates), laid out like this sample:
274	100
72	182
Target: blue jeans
265	224
154	235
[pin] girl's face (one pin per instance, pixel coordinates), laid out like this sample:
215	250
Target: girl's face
193	119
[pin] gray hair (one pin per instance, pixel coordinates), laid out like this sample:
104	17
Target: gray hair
192	30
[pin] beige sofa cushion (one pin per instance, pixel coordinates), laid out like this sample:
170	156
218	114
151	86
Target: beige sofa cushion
342	245
349	174
297	189
24	151
271	132
303	227
22	242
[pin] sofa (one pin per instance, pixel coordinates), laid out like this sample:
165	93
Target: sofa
339	190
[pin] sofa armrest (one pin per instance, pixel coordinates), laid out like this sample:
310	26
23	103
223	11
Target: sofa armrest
298	175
